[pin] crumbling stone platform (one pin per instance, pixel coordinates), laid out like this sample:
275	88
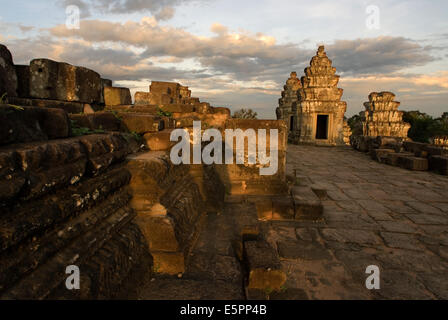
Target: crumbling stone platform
373	215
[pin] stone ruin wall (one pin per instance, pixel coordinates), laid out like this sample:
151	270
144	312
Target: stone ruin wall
385	137
85	179
382	117
441	141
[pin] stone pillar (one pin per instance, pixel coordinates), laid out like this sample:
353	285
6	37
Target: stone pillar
287	109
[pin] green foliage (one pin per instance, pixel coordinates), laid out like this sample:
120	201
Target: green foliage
421	125
156	268
424	127
136	136
4	100
133	135
116	115
162	113
268	291
82	131
355	123
245	114
440	126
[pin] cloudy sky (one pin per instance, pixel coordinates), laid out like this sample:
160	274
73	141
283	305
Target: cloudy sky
240	53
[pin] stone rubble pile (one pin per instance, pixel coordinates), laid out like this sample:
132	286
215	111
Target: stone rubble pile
385	138
86	179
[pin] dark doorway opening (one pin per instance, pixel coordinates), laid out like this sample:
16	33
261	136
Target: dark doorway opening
322	127
291	124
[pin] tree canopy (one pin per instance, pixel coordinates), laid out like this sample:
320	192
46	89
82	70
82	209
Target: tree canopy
244	114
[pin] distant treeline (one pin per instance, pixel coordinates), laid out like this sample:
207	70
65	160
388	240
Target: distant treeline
423	126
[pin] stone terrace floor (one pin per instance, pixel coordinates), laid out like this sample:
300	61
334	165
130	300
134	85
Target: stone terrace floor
374	214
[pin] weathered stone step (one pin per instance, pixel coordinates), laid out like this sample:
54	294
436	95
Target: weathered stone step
381	155
40	283
413	163
25	220
33	169
26	124
159	141
424	150
99	120
439	164
140	123
393	158
307	204
28	257
263	268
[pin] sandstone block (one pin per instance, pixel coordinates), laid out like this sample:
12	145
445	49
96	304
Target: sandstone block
158	231
67	106
171	263
149	109
414	147
280	125
439	164
264	209
115	96
140	123
98	120
221	110
165	92
32	124
380	155
62	81
413	163
148	171
203	107
392	158
436	151
177	108
185	122
263	265
8	76
103	150
306	203
158	141
23	80
169	123
106	82
282	208
389	142
143	98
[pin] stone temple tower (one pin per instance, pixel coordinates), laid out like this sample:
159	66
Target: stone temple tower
382	117
319	112
287	109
